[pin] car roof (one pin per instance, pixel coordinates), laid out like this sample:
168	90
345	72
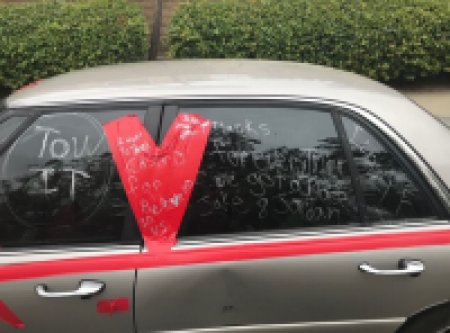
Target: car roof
193	77
240	79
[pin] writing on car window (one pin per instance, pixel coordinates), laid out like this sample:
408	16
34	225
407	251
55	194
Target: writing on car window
269	169
389	193
59	184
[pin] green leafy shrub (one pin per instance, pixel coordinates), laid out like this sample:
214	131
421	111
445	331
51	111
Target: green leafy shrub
382	39
42	39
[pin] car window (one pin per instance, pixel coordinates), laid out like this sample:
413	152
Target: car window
9	126
388	190
60	186
269	169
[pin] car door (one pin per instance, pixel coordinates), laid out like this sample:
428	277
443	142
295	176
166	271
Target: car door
67	233
303	218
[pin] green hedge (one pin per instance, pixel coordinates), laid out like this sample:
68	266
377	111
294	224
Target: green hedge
382	39
38	40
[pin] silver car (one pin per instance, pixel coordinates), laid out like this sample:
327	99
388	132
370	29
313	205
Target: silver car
321	204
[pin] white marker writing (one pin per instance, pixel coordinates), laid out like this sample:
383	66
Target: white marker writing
45	173
74	173
47	131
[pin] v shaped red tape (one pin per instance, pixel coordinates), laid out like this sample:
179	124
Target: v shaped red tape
9	317
158	180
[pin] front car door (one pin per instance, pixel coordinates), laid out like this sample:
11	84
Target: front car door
66	228
302	219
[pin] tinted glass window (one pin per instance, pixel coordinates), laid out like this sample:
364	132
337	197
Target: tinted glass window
59	184
388	190
268	169
8	126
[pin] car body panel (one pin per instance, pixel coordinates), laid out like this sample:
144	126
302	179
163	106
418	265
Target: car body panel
299	282
356	326
308	288
66	314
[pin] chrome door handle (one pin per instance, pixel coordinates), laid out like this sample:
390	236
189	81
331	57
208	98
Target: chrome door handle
406	267
88	288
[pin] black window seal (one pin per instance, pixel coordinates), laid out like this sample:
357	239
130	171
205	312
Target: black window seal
360	202
83	107
407	165
170	112
5	145
152	121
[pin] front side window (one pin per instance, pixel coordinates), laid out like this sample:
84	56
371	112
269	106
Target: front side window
388	190
269	169
59	184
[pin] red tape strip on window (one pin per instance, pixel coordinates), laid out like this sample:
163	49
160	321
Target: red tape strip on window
158	180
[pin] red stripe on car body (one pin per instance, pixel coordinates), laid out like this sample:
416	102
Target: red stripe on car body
226	253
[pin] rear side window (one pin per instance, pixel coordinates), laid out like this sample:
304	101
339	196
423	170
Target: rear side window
9	126
269	169
388	189
60	186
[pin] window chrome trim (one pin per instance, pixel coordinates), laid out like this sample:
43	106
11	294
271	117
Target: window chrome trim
297	234
9	257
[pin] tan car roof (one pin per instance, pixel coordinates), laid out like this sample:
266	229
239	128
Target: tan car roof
194	77
242	79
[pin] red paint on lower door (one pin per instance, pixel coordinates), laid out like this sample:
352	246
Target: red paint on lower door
9	317
112	306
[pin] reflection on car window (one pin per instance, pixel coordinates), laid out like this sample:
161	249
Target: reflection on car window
59	184
268	169
8	126
388	191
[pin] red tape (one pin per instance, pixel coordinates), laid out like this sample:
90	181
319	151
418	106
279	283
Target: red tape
158	180
224	253
29	85
9	317
112	306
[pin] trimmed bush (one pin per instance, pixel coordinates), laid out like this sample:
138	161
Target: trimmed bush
42	39
383	39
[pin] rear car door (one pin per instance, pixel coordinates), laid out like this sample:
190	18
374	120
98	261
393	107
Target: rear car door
304	218
66	228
